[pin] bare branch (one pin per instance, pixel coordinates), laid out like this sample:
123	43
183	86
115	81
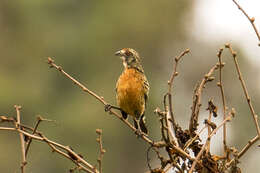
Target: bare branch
244	150
76	158
174	72
39	119
18	108
170	85
255	117
209	127
101	149
197	100
220	84
251	20
170	128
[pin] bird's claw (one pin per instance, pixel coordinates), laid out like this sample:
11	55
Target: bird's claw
139	133
108	107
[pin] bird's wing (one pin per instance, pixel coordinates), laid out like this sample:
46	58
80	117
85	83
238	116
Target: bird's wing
116	86
146	89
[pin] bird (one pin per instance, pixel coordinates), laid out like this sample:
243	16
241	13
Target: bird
132	89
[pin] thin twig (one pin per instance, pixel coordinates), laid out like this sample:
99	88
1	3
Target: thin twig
170	84
244	150
209	131
79	165
248	145
170	132
174	72
169	125
101	149
251	20
164	120
39	119
228	118
197	100
76	157
161	119
18	108
34	131
220	84
194	138
182	152
8	128
199	155
255	117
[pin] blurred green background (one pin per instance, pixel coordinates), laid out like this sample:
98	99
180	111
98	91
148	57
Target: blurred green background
82	36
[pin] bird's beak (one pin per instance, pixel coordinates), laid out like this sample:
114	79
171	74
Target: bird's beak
118	53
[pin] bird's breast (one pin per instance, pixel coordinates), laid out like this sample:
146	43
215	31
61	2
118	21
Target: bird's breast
130	92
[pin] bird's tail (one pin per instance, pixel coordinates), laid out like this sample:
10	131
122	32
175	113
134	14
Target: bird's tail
142	124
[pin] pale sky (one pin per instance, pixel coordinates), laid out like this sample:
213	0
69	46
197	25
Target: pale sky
222	21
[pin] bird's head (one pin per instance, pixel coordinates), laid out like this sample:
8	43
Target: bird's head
130	57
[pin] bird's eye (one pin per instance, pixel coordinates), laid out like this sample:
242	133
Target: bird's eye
133	59
128	53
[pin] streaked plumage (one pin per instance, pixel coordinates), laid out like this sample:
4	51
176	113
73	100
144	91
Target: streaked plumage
132	88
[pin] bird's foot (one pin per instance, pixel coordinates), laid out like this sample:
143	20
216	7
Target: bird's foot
108	107
139	133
